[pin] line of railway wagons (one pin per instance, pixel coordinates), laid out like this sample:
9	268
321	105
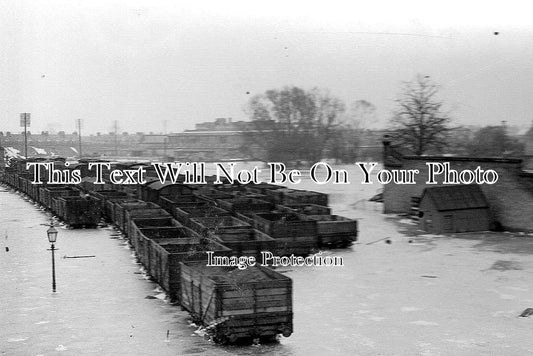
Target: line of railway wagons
172	226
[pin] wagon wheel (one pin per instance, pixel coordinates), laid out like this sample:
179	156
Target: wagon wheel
285	330
220	340
268	339
221	337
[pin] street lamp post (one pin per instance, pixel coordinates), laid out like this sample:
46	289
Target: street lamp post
52	237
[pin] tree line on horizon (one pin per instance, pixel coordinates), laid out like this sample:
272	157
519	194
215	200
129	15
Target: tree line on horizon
295	125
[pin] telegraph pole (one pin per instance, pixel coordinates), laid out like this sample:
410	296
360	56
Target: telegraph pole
25	139
165	139
25	121
116	148
79	136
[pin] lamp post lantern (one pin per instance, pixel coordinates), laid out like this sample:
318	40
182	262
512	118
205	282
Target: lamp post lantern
52	237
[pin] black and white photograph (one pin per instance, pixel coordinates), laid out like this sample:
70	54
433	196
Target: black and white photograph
266	178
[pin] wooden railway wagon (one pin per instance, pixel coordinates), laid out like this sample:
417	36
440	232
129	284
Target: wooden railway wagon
335	230
79	211
160	235
22	181
166	255
278	195
249	217
262	188
263	197
286	196
185	213
306	197
48	193
87	185
25	184
54	206
121	207
170	204
309	209
294	233
34	191
210	194
137	225
82	167
131	190
9	177
106	198
11	174
247	245
111	204
245	204
154	191
224	226
235	304
233	189
146	212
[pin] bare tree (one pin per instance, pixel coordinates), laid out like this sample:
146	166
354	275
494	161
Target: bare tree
419	124
361	113
348	136
291	124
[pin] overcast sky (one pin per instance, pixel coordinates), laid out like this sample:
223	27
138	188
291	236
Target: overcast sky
144	62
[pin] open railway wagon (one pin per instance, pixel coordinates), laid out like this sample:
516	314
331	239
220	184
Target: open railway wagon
88	184
147	213
103	196
307	209
142	231
262	188
122	208
167	253
210	194
286	196
187	211
236	234
235	304
245	204
170	204
78	211
335	230
154	191
294	233
47	194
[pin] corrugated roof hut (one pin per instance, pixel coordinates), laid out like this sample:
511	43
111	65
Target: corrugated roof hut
455	208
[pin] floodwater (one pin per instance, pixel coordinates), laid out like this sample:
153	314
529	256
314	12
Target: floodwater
417	295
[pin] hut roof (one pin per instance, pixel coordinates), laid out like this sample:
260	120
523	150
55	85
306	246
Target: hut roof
456	197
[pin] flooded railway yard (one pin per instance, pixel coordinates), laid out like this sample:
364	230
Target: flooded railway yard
399	292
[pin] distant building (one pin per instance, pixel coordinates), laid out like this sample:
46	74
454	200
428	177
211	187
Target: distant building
67	145
209	141
455	208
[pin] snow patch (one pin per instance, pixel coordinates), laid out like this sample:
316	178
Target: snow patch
39	151
14	339
377	318
409	309
425	323
430	235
